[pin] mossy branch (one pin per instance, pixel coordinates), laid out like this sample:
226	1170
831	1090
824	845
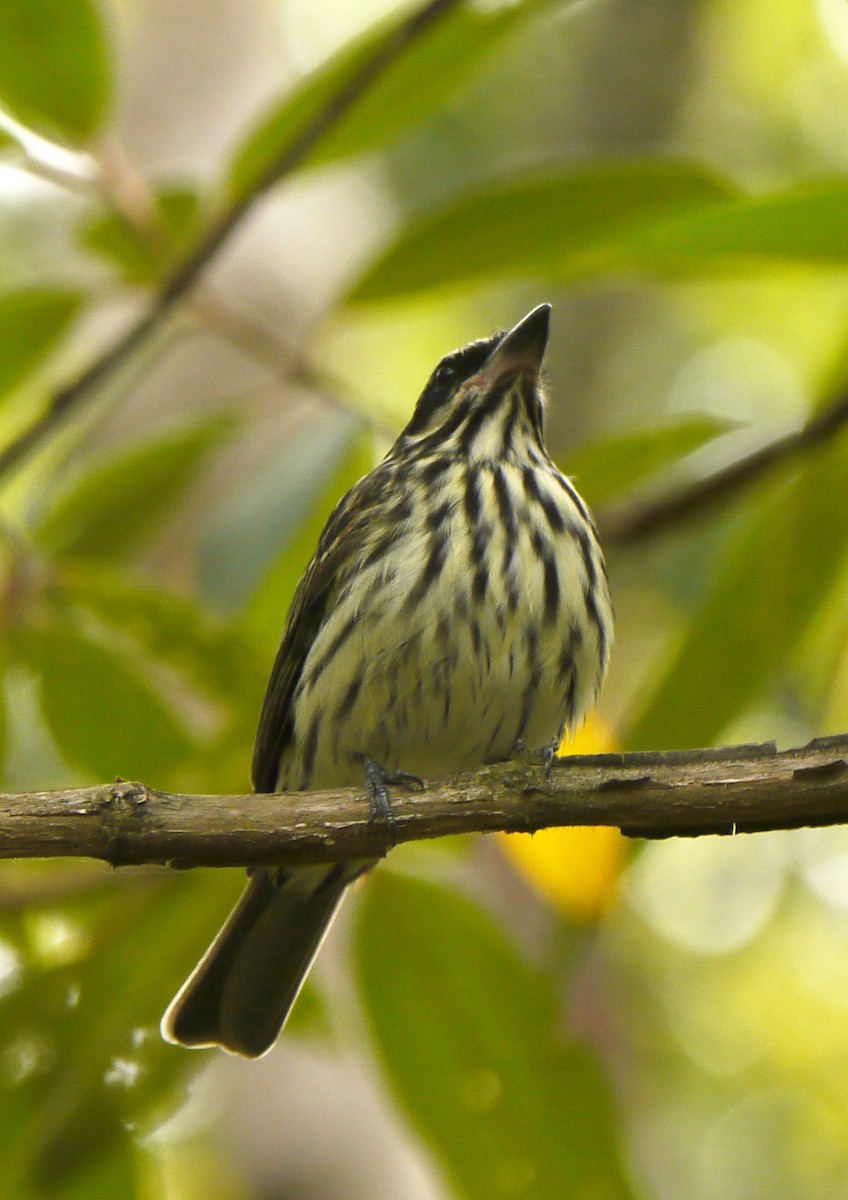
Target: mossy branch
732	789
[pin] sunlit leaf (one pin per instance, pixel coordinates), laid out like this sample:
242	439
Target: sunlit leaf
32	324
415	86
471	1040
54	66
104	1077
614	465
106	718
143	258
100	1069
639	216
805	223
107	511
557	226
776	575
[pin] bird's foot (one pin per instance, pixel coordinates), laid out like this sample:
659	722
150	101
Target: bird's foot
546	755
377	782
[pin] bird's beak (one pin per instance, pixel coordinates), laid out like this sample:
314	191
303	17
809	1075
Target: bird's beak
522	349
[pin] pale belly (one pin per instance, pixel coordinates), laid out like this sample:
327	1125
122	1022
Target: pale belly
452	681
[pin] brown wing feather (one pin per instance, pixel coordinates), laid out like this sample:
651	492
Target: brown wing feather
339	543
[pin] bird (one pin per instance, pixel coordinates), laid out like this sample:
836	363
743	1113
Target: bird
457	606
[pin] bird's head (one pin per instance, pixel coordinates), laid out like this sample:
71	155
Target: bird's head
481	398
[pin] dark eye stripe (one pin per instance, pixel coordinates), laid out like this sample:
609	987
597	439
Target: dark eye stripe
451	371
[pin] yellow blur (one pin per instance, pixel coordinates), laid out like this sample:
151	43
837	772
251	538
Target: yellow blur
576	869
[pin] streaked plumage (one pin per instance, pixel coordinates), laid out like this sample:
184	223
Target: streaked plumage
457	603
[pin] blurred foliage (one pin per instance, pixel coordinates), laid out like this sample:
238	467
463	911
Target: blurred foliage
581	223
776	576
561	1015
109	508
511	1103
55	70
415	86
614	465
141	253
33	323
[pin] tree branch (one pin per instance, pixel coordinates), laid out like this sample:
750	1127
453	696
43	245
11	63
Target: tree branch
187	273
631	523
733	789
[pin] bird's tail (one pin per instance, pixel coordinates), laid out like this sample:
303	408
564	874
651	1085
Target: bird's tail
242	990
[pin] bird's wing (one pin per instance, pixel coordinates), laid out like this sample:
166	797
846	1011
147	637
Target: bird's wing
339	544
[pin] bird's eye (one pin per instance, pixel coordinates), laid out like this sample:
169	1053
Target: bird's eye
445	373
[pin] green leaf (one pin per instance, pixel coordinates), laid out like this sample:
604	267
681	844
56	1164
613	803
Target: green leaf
111	236
614	465
32	324
775	577
557	226
142	260
170	628
106	718
98	1172
180	213
472	1042
213	659
805	223
639	216
54	66
419	83
108	511
140	963
100	1070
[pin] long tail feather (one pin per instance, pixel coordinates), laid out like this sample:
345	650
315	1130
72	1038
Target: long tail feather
242	990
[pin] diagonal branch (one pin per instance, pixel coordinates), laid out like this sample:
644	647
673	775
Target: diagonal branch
629	524
187	273
657	794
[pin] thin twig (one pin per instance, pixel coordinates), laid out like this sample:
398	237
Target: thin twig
218	316
629	524
733	789
128	196
187	273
